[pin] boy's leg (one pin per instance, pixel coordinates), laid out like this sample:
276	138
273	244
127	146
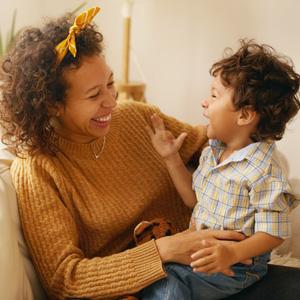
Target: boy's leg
183	283
170	288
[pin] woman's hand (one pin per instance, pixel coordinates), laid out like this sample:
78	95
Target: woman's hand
179	247
163	140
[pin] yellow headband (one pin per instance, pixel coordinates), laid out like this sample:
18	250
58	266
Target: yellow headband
69	43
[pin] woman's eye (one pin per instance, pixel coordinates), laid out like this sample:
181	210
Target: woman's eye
94	96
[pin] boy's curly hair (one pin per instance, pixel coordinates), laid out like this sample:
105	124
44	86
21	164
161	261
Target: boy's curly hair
263	80
32	84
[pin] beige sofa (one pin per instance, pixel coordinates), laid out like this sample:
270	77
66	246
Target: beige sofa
18	280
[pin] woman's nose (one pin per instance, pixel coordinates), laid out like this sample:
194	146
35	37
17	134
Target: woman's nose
110	100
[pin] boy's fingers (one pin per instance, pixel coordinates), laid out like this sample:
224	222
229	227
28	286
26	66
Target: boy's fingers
202	253
247	261
192	228
167	135
228	272
157	122
149	131
180	139
208	268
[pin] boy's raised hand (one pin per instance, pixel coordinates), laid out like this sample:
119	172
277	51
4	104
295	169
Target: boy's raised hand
163	140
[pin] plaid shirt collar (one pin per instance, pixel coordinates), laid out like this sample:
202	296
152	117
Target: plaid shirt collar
258	152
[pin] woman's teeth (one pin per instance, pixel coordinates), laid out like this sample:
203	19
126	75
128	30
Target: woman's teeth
103	119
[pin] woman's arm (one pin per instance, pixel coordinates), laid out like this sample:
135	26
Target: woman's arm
51	232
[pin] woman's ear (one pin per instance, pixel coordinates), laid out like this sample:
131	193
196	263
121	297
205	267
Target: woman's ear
247	116
55	111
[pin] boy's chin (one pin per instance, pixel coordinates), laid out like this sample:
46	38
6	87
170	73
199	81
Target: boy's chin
211	136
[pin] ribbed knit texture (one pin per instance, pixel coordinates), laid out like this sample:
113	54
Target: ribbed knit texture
78	213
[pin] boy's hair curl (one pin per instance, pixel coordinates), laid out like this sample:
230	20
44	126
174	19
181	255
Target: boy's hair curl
263	80
32	84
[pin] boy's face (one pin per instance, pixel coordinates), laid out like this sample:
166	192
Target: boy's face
222	115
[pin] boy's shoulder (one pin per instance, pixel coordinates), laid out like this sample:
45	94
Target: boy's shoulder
260	153
266	162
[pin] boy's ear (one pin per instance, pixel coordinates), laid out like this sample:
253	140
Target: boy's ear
247	116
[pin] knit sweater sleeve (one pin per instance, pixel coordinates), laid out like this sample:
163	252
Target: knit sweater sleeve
195	140
52	238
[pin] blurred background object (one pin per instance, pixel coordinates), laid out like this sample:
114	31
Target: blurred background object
7	41
128	90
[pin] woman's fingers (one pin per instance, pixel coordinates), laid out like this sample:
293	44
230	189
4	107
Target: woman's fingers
228	235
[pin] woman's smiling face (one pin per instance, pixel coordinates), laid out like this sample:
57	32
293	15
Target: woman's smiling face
90	99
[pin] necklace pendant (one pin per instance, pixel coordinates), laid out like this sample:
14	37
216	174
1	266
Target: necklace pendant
97	155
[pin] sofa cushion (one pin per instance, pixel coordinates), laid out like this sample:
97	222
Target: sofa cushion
18	279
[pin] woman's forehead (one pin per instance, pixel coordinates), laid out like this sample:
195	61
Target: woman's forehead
93	70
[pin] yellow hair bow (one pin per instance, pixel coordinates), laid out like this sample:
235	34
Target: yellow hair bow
69	43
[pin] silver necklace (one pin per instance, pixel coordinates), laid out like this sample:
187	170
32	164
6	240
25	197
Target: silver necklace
97	155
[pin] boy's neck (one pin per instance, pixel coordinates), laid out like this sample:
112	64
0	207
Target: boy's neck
234	146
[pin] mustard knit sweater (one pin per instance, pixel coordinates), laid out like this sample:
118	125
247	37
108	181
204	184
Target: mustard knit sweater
78	213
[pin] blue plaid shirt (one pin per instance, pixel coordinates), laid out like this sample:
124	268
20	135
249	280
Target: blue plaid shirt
247	192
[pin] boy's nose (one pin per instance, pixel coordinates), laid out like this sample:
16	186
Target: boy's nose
204	103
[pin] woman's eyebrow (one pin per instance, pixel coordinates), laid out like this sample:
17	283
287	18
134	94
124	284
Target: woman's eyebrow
92	88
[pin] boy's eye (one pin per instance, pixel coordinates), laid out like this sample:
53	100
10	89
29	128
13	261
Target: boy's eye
112	83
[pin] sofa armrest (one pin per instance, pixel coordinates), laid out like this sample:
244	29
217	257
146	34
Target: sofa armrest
281	282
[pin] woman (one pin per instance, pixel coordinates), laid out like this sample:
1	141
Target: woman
86	172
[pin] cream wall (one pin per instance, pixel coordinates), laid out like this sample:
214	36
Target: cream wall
174	43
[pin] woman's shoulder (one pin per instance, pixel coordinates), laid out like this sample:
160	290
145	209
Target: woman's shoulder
133	107
29	164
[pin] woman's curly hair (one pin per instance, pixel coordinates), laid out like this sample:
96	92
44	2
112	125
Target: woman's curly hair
263	80
32	85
